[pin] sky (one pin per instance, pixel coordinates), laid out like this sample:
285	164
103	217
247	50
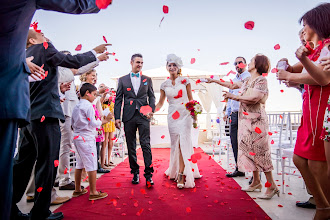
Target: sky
211	31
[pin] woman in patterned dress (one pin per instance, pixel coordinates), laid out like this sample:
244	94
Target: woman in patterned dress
253	145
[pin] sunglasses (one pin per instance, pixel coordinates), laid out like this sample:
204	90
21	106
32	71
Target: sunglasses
237	63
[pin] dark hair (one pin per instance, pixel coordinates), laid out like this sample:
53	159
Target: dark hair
318	19
242	58
136	55
261	63
87	87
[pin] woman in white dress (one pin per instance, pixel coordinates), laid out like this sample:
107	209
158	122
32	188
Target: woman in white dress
177	89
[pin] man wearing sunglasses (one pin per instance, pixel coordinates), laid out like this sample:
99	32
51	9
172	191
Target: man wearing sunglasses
232	110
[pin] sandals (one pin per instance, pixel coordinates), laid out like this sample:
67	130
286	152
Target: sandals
76	194
109	164
101	195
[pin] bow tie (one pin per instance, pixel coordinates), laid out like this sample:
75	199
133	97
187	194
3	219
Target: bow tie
136	75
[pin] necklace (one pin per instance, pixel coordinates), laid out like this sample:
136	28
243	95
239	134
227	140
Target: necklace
310	113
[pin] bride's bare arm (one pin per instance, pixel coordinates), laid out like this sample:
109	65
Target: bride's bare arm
190	97
161	101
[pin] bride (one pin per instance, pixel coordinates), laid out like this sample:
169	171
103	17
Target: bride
177	89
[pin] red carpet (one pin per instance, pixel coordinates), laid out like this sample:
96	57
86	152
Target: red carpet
215	196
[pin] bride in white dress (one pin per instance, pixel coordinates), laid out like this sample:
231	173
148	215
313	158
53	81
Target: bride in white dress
177	89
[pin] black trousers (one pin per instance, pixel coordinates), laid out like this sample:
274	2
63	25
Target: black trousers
39	142
8	138
130	127
98	155
233	134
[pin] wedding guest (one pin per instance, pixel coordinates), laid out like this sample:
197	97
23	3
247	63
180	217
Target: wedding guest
177	90
91	77
232	111
67	75
309	154
40	141
84	123
253	149
16	19
108	100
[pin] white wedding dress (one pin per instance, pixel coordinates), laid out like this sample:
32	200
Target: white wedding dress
180	131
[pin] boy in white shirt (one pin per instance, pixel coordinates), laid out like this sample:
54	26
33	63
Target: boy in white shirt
84	127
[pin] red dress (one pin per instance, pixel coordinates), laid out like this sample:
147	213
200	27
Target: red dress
311	101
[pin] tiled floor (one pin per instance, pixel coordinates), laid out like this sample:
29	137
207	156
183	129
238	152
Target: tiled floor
288	211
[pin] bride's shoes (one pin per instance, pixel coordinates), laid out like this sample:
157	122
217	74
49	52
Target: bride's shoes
252	188
180	177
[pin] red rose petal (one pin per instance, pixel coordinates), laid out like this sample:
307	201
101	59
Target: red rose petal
252	153
84	140
221	80
176	115
231	72
274	70
279	205
241	65
193	60
118	184
277	47
139	212
183	81
76	137
105	40
249	25
130	102
231	81
224	63
268	184
165	9
56	163
198	81
39	189
66	170
103	4
245	113
116	60
272	142
265	74
129	89
78	48
281	90
179	94
145	109
42	118
162	137
270	133
188	209
88	119
290	194
45	45
143	191
257	130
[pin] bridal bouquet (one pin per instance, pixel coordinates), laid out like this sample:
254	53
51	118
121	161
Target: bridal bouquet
194	108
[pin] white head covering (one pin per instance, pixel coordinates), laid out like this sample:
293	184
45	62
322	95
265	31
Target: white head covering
172	58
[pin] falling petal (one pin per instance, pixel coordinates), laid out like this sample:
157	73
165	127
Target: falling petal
78	48
249	25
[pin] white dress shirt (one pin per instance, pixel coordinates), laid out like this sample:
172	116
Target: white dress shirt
136	82
84	123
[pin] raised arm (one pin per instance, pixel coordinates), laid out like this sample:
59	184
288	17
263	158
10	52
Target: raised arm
69	6
301	78
235	85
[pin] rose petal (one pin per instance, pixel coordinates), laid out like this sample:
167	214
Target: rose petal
103	4
193	60
257	130
45	45
162	137
249	25
78	48
42	118
268	184
145	109
105	40
56	163
165	9
252	153
277	47
274	70
179	94
176	115
281	90
39	189
224	63
118	184
188	209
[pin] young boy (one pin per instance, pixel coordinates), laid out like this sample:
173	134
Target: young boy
84	127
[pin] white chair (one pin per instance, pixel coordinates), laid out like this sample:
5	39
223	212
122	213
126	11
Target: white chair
119	144
287	156
220	138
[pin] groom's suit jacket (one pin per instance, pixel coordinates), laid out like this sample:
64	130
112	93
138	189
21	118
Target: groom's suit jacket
15	17
125	94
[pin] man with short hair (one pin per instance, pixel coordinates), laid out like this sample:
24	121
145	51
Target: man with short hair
135	90
232	110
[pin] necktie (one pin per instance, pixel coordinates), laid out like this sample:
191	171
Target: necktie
136	75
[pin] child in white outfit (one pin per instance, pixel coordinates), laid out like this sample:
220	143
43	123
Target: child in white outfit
84	127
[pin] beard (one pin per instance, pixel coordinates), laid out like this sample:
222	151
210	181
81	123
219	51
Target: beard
239	70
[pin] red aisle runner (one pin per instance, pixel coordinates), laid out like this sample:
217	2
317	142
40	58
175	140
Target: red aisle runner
215	196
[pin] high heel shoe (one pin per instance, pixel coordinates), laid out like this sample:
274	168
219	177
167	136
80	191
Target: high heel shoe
180	177
270	195
252	188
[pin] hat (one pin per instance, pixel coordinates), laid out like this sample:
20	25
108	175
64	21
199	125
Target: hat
172	58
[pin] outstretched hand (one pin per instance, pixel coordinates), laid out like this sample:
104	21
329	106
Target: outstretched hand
101	48
36	71
103	57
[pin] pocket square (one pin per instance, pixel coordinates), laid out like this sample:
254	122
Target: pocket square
146	83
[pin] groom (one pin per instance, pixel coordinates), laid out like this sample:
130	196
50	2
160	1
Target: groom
136	91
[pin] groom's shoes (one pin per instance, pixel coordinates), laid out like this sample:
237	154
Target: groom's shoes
136	178
149	182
